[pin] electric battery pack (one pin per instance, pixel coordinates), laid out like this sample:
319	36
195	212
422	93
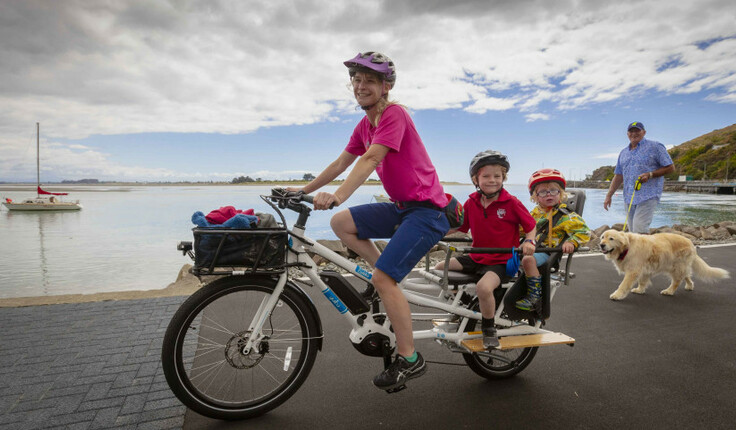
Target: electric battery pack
345	292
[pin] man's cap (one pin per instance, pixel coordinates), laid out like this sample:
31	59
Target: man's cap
635	124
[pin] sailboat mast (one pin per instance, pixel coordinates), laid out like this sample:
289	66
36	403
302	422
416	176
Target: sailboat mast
38	164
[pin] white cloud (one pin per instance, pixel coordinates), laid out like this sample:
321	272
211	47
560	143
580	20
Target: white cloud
536	117
61	161
86	68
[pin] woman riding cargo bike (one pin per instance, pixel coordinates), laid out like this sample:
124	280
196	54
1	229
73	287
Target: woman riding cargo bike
386	141
244	343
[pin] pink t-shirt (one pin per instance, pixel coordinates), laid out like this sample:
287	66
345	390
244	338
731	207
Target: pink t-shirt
406	171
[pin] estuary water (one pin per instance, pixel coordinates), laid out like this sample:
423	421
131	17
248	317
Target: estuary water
125	237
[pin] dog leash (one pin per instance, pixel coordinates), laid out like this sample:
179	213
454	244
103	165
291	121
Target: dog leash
637	185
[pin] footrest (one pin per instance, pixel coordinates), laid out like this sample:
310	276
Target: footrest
521	341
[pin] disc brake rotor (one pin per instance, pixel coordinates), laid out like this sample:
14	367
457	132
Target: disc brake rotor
237	358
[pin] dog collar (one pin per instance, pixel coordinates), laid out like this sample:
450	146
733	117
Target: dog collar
623	254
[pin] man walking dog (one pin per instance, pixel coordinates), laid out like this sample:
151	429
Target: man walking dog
646	161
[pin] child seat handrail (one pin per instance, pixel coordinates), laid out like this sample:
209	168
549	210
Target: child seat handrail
450	249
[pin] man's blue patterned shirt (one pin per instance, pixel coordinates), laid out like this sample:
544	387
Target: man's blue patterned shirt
648	156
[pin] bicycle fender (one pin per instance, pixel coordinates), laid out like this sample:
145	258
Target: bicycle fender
308	300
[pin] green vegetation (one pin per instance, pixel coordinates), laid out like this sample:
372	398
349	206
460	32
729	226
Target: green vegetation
711	156
604	173
245	179
81	181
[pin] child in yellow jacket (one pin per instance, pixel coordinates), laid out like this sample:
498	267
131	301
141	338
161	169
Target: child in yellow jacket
547	189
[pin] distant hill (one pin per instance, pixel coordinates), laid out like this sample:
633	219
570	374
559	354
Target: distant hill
604	173
711	156
80	181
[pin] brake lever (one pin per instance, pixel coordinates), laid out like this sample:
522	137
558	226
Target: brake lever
285	197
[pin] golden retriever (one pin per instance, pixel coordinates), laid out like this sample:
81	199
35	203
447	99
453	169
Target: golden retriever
639	257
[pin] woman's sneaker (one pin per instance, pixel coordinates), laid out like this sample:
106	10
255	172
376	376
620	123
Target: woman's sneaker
490	340
399	372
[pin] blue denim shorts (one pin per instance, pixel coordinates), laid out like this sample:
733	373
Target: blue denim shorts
413	232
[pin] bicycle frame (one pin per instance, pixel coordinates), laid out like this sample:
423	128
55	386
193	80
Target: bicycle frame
416	290
244	343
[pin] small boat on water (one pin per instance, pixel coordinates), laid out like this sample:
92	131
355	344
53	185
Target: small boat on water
44	200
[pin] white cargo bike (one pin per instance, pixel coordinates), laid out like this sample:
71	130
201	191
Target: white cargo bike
245	342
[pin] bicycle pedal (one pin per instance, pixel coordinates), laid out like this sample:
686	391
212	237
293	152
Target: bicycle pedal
396	389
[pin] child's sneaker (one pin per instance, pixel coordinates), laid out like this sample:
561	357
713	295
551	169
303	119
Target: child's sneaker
399	372
534	293
490	340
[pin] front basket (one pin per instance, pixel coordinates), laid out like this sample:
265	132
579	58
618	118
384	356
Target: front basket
255	250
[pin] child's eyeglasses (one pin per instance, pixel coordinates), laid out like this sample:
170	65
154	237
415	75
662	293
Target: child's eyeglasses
547	193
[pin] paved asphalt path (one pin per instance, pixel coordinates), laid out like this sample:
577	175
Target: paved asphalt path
647	362
87	366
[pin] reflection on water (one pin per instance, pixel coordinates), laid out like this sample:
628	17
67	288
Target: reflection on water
124	239
44	264
35	257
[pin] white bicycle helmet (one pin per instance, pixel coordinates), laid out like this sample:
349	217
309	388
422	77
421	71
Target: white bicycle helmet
486	158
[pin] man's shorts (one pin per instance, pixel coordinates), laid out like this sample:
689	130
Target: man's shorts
641	215
413	232
470	266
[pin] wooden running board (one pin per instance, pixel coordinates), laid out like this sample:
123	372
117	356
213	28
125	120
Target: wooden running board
521	341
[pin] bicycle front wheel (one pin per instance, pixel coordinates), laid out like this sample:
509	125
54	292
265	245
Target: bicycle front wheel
497	364
204	357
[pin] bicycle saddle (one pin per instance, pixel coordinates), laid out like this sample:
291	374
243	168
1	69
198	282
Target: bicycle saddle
457	278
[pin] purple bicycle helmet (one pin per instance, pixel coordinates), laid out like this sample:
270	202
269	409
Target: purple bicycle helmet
374	61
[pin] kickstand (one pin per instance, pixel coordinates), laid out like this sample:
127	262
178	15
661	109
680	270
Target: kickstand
386	350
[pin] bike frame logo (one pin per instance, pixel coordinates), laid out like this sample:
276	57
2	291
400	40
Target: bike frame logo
336	302
363	272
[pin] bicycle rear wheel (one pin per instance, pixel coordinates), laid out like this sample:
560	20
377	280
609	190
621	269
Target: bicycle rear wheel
203	354
497	364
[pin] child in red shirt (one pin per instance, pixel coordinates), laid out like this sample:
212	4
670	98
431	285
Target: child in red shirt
494	217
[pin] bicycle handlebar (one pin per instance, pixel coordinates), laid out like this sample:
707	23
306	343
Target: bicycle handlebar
307	198
285	197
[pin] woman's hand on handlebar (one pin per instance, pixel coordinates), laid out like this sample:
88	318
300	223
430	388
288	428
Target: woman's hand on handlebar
324	201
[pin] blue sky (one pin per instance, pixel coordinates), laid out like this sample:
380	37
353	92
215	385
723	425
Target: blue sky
200	90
